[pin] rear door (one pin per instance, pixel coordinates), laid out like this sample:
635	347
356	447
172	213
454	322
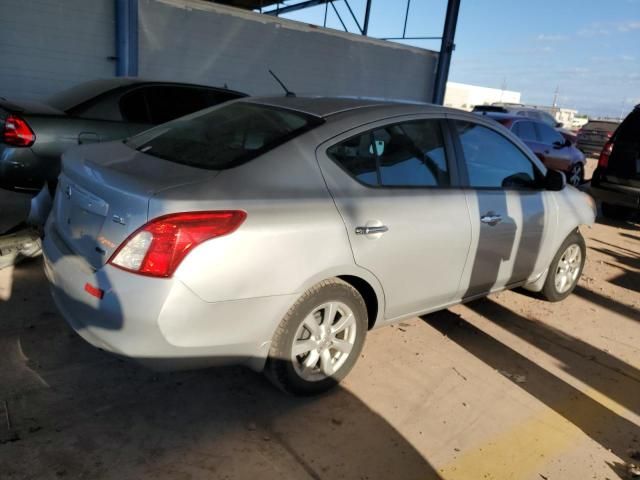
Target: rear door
395	186
624	162
509	212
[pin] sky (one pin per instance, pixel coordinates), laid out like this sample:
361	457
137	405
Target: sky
589	50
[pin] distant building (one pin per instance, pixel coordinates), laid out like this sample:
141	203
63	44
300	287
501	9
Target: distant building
465	97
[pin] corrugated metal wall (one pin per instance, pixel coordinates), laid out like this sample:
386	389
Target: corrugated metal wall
49	45
212	44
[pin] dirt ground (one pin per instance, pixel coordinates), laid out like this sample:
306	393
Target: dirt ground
509	387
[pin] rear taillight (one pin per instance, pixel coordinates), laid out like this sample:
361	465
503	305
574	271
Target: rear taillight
603	161
17	132
157	248
609	134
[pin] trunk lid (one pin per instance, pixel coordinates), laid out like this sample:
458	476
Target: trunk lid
103	195
28	108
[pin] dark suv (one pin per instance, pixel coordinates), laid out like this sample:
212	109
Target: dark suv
616	181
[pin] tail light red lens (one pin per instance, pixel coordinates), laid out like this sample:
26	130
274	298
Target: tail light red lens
609	134
603	161
157	248
17	132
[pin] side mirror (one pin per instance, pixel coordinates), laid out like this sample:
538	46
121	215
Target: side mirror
554	180
558	144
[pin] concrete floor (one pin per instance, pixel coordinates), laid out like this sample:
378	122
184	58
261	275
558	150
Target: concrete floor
507	387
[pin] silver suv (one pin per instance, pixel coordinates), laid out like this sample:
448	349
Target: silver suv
275	232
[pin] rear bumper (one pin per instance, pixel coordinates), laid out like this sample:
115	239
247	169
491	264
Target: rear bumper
616	194
159	322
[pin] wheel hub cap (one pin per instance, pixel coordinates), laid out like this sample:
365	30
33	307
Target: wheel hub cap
323	341
568	268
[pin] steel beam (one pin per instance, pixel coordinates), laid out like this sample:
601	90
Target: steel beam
295	7
446	50
367	13
126	38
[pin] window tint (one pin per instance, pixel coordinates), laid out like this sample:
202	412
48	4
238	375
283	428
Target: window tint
104	107
223	137
133	106
407	154
548	135
159	104
525	130
629	130
356	156
492	160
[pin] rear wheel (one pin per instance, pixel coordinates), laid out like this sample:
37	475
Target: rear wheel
565	269
615	212
319	340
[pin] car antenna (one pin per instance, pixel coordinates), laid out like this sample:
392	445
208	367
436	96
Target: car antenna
287	92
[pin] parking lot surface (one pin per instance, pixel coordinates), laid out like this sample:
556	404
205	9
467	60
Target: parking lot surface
506	387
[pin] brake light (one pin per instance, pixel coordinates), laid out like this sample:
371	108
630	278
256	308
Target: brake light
609	134
603	161
157	248
17	132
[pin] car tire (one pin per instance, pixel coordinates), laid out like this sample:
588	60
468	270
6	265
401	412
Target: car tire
575	176
615	212
319	365
565	268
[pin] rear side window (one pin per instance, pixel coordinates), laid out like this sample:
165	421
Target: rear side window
410	154
223	137
133	106
525	130
492	161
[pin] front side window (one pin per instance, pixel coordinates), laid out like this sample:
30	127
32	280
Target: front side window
493	161
548	135
410	154
223	137
525	130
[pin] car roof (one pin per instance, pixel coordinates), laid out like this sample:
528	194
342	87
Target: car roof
326	106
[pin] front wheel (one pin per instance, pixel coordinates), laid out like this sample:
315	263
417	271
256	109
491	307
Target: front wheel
565	269
576	175
319	340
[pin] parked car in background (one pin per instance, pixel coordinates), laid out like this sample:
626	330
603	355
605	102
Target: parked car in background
553	149
594	135
33	135
529	112
275	232
616	180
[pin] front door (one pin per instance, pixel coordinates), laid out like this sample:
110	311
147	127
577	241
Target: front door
508	210
407	224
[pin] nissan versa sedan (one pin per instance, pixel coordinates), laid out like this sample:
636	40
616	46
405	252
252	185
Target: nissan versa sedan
275	232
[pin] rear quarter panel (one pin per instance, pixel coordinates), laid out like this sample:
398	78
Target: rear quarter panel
292	238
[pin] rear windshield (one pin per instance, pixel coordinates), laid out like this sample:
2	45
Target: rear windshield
224	136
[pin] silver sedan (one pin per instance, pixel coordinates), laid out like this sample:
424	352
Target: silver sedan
276	232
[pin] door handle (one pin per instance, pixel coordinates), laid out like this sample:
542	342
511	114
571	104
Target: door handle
491	219
371	230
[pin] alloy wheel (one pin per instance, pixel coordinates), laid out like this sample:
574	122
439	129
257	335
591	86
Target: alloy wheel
323	342
568	268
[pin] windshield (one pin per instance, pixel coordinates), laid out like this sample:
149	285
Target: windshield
224	136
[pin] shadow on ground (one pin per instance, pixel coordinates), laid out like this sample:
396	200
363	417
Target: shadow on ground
77	412
600	371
